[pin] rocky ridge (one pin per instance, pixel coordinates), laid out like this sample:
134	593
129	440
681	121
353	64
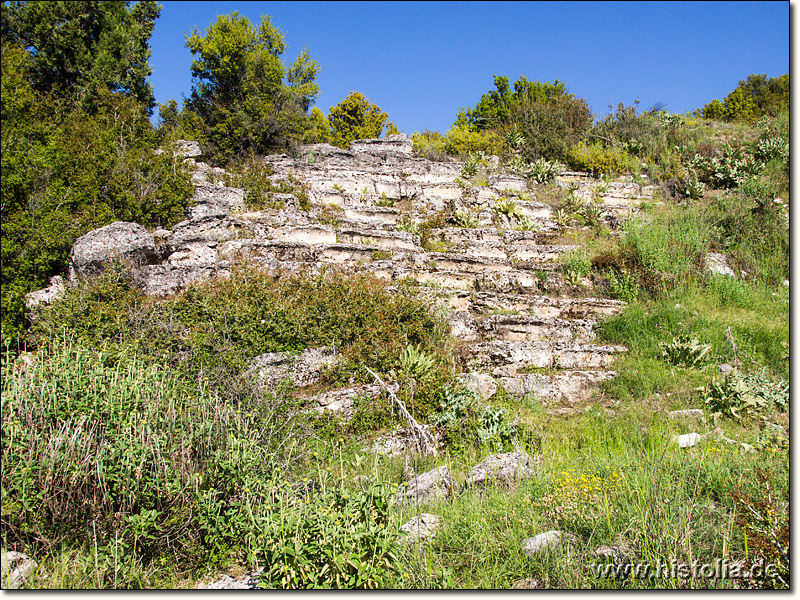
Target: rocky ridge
518	323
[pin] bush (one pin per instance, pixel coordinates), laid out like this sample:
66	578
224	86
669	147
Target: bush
598	159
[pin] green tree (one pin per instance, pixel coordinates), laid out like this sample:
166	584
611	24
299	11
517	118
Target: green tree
247	99
66	171
318	130
81	48
754	97
539	120
355	118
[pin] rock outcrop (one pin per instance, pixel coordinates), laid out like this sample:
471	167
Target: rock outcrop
518	324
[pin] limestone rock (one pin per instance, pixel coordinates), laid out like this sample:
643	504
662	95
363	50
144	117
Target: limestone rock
47	295
129	242
392	144
717	264
688	440
342	401
403	440
187	149
503	469
422	527
463	326
480	383
527	584
725	368
273	367
432	485
16	568
216	200
549	540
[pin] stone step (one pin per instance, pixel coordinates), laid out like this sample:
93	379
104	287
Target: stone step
507	358
376	238
486	303
566	387
532	328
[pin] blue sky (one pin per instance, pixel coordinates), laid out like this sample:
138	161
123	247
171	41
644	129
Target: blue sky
422	61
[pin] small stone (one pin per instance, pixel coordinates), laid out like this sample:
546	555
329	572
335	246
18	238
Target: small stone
506	468
688	440
422	527
689	413
432	485
725	368
717	264
547	541
16	568
480	383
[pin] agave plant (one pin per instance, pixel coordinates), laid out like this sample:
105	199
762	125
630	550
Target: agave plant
417	364
541	171
471	164
526	224
464	218
507	207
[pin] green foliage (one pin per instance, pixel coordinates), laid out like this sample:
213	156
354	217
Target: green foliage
764	519
728	171
254	176
80	49
66	172
246	98
598	159
461	141
754	97
732	396
464	218
417	364
317	128
539	171
336	538
122	450
685	352
355	118
467	422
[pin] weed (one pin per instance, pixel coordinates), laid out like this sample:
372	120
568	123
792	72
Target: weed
685	352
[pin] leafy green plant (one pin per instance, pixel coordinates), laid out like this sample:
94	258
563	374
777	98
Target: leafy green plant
465	218
764	518
507	207
417	364
471	165
407	225
685	352
540	171
523	223
598	159
731	397
337	538
385	201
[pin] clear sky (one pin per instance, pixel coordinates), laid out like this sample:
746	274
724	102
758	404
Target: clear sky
422	61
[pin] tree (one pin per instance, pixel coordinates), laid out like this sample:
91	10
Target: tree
755	96
81	48
537	119
66	171
355	118
247	99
